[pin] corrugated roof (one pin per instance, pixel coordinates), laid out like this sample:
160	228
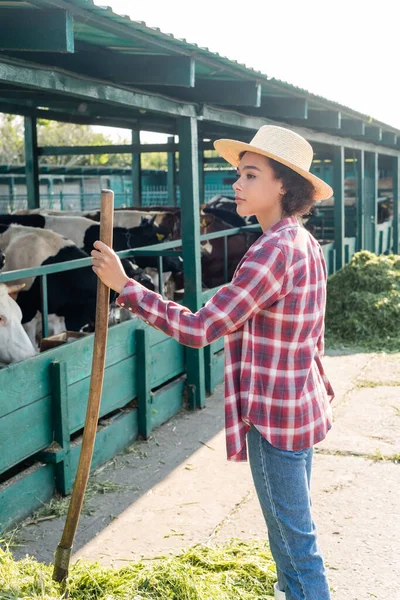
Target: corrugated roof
112	34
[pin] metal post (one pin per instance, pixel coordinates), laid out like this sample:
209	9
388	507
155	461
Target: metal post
44	305
171	175
396	202
31	163
201	176
360	207
371	195
82	192
338	190
189	187
11	184
136	172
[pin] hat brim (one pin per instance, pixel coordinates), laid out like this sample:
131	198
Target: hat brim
231	150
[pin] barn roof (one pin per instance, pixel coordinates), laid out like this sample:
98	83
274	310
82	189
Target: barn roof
81	62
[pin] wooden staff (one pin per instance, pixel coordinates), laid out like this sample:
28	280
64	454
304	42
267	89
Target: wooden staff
64	548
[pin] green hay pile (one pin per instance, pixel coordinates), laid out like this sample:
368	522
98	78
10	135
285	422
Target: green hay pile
363	305
236	571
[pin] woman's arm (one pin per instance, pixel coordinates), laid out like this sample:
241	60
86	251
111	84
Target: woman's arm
258	283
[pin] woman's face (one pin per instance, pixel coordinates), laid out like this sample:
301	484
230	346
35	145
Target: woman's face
257	192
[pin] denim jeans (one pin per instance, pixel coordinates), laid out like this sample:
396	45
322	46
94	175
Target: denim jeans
282	482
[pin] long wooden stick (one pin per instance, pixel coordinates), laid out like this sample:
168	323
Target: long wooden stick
64	549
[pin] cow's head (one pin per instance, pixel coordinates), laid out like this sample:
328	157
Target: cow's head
15	344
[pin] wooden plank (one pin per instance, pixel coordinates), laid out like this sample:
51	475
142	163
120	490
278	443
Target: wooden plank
218	364
25	432
143	368
167	360
112	437
26	29
167	402
389	138
61	424
352	127
24	493
224	92
275	107
119	388
373	133
189	185
28	381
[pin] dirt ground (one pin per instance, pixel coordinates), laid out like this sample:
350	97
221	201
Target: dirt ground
177	489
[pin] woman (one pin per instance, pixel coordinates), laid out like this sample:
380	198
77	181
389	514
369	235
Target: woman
276	391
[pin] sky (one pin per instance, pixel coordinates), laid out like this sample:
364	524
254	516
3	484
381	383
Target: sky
342	50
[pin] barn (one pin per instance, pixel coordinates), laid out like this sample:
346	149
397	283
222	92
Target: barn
72	61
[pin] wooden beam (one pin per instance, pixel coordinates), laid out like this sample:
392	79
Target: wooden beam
352	127
275	107
389	138
114	149
217	91
27	30
338	190
373	133
31	163
190	207
128	69
323	119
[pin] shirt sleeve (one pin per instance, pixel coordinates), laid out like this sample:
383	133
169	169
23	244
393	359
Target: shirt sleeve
258	283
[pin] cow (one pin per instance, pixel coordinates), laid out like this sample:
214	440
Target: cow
71	295
15	344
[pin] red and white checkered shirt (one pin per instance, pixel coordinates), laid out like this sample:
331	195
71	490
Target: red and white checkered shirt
272	314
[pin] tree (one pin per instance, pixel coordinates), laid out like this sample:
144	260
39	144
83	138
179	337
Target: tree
52	133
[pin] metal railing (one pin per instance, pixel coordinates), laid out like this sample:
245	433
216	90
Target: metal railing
157	250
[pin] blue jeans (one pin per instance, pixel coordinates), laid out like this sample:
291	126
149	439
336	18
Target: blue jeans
282	482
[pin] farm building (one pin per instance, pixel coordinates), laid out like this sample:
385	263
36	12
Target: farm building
72	61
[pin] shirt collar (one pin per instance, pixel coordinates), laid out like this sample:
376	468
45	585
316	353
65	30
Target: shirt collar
283	224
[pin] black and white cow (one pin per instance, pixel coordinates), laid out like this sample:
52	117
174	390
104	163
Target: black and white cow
84	232
71	295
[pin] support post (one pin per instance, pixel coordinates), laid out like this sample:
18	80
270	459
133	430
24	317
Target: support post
136	172
371	195
189	187
171	175
338	190
201	177
396	202
143	366
31	163
360	242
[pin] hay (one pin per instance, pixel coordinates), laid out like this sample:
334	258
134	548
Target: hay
363	305
235	571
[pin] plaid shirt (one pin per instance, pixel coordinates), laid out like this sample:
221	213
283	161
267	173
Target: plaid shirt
272	314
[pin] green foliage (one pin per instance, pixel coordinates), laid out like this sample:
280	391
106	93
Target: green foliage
51	133
236	571
363	306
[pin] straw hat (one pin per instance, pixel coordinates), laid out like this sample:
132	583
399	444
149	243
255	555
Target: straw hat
284	146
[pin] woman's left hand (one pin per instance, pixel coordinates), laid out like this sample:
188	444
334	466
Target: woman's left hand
107	266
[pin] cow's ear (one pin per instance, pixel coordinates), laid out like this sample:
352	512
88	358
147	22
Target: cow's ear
13	289
152	220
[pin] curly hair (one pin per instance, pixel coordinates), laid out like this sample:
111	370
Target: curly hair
298	199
